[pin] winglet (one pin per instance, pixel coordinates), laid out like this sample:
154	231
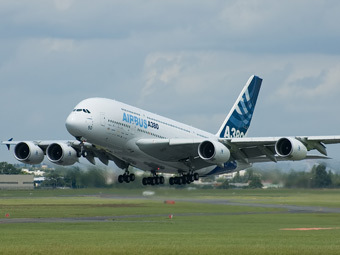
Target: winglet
238	120
8	144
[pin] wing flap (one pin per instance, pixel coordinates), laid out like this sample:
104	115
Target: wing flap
264	159
169	149
324	139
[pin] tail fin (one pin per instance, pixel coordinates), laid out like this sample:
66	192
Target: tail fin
238	120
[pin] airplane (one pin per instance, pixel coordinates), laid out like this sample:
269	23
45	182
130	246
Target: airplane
129	136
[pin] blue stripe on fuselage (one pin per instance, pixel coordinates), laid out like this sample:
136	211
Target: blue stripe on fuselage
227	168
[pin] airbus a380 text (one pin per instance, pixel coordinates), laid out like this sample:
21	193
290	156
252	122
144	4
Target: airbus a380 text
113	131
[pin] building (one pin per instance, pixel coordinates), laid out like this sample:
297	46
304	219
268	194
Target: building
17	181
35	172
38	181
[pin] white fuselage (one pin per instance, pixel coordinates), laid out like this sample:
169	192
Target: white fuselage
115	127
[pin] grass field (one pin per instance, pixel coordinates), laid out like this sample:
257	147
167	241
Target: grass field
134	224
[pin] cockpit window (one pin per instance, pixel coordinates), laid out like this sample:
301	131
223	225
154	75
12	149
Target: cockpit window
81	110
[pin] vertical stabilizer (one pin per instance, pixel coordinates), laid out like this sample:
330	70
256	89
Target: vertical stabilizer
238	120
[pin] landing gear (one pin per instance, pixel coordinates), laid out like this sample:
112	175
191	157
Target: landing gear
184	179
126	177
153	180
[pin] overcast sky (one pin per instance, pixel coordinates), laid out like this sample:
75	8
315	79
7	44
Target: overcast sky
187	60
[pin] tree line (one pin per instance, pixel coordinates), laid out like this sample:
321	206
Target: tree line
317	177
92	177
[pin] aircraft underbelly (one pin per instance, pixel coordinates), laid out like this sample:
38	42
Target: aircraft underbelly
122	144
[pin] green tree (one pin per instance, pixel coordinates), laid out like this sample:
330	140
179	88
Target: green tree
239	179
335	180
320	178
54	179
297	180
6	168
255	182
249	175
94	178
73	178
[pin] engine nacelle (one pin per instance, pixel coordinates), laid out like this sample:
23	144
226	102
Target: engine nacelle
28	153
61	154
291	148
213	152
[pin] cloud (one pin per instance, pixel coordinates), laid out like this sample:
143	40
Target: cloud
58	45
161	69
244	16
63	5
185	60
309	83
200	85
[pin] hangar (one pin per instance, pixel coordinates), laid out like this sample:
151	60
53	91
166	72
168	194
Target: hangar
17	181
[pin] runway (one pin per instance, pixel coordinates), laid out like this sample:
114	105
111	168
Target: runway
286	209
290	208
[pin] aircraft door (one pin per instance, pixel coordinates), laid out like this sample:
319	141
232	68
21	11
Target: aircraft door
89	123
102	119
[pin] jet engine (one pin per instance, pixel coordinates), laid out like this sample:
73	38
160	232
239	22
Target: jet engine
213	152
28	153
61	154
291	148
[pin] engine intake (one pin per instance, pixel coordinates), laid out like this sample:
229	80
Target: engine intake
28	153
213	152
61	154
291	148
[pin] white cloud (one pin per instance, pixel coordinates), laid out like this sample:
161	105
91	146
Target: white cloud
208	83
244	16
63	5
58	45
160	70
186	60
312	79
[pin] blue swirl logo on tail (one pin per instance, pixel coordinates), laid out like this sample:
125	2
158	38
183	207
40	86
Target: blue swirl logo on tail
238	120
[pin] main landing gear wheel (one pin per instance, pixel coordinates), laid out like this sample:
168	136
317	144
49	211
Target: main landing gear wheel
184	179
154	180
126	178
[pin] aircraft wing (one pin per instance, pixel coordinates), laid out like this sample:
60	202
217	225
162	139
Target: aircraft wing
43	144
262	149
247	150
88	150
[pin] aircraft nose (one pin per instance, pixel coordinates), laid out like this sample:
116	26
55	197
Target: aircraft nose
73	124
